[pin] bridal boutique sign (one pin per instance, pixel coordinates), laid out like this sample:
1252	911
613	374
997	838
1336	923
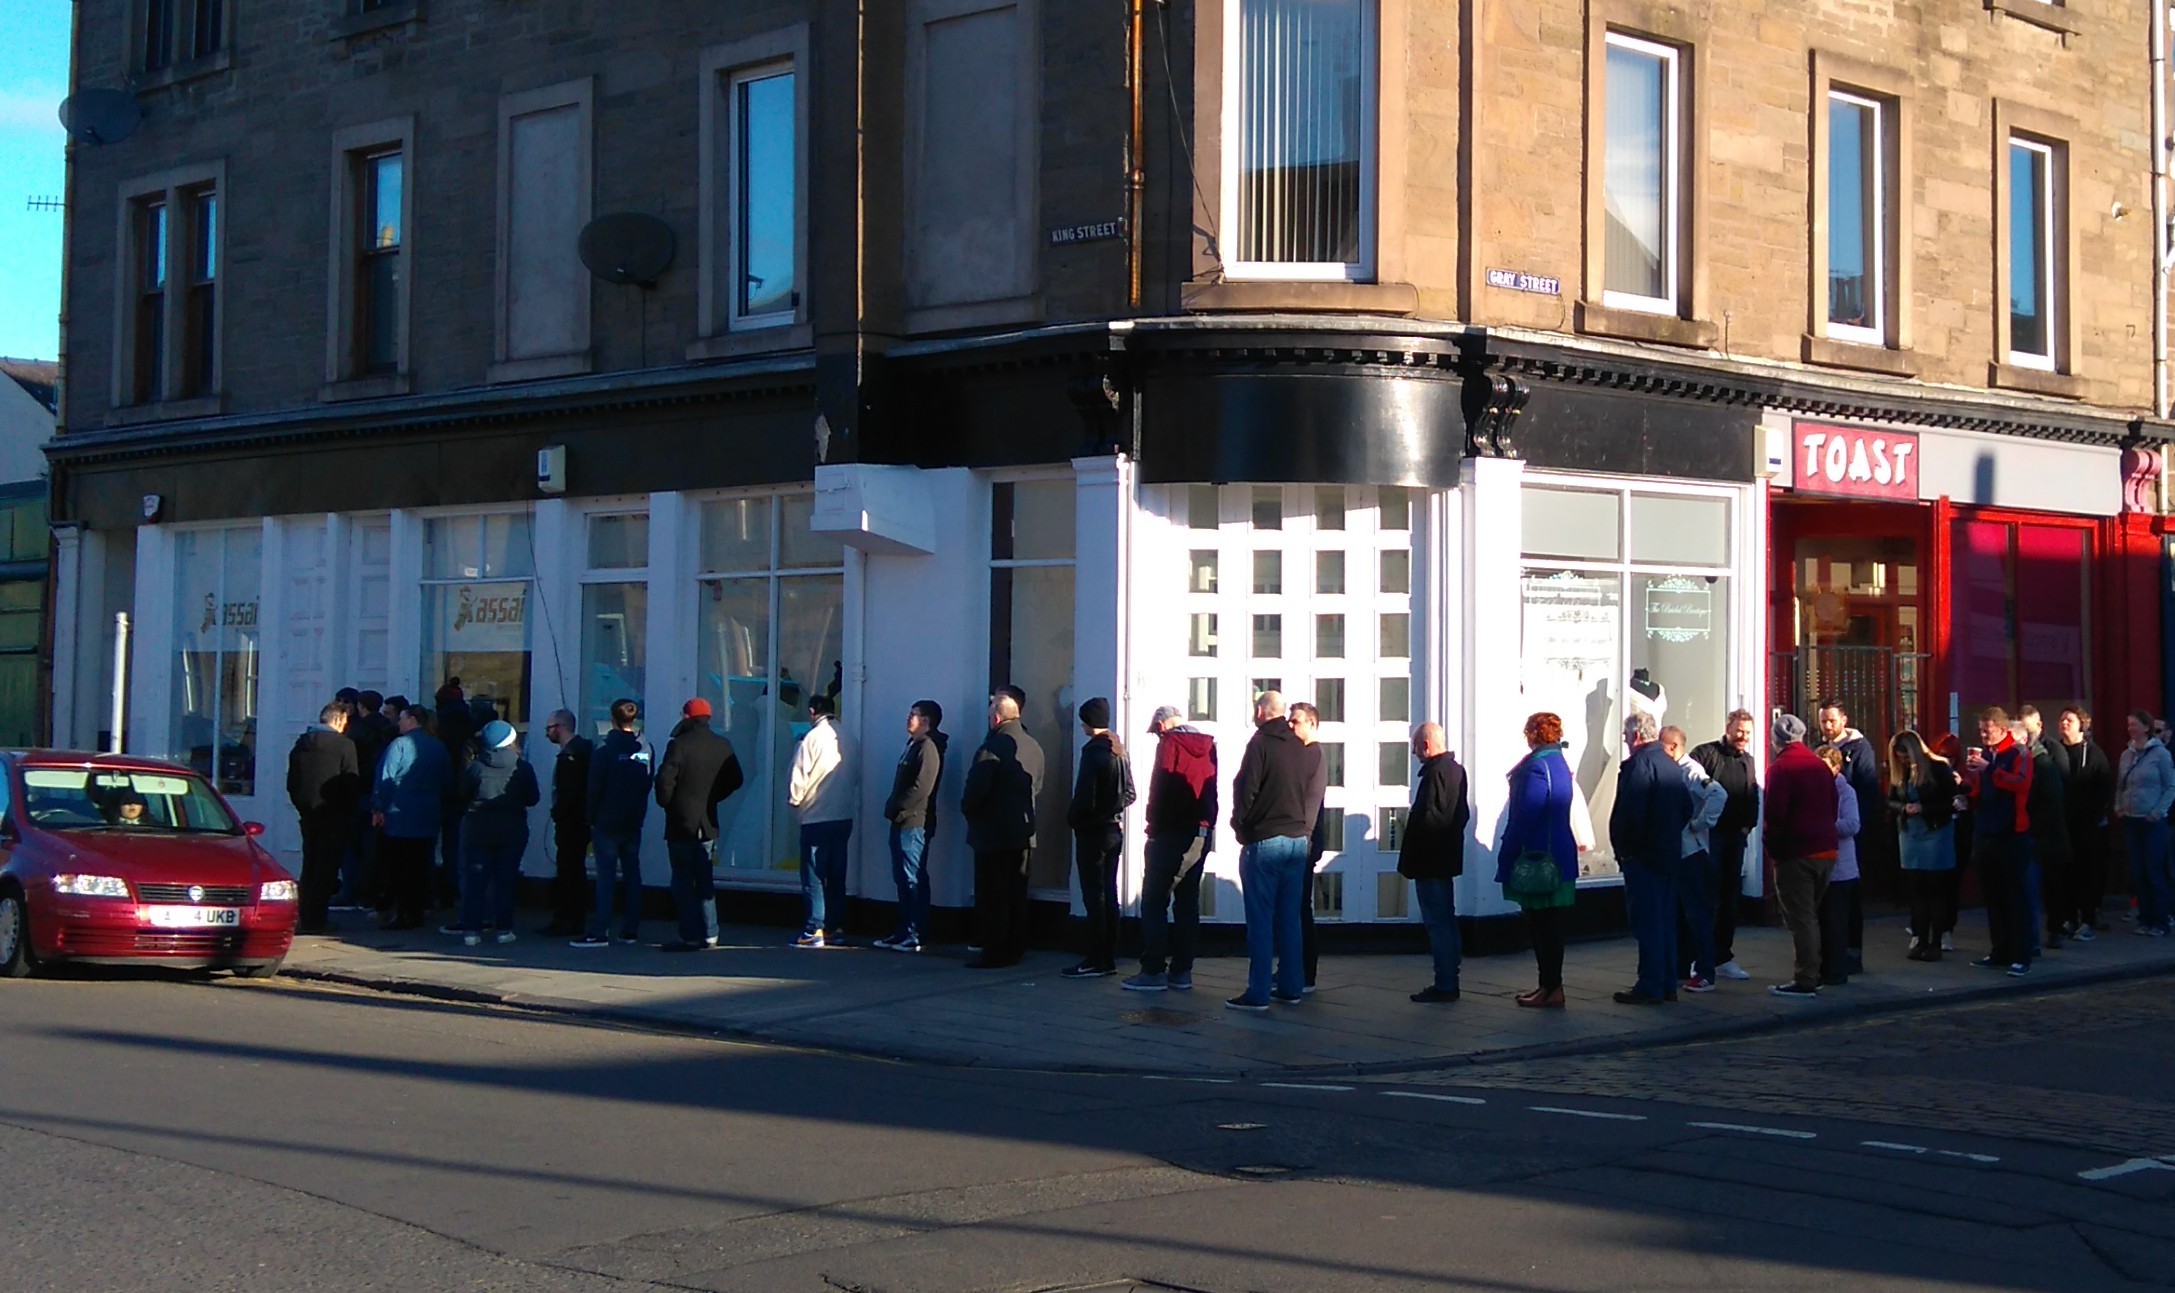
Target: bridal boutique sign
1855	462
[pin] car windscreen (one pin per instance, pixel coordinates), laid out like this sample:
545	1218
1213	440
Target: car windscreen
79	799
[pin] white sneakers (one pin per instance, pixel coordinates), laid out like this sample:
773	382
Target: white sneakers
1731	970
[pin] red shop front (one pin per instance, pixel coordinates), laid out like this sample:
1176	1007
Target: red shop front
1920	575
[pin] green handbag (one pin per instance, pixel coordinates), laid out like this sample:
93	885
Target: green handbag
1533	875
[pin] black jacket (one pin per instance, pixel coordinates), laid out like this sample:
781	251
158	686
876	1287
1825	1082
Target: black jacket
1103	789
1862	771
1002	787
1434	844
914	782
322	774
2088	787
621	770
1279	786
496	791
371	733
1738	775
699	771
1936	798
570	782
2049	807
1653	806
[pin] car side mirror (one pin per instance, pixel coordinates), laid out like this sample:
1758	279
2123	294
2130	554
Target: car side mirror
252	829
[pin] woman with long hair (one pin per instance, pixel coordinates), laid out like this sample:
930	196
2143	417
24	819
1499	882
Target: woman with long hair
1922	796
1538	823
2088	795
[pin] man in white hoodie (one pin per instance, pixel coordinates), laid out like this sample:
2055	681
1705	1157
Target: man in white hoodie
821	795
1699	877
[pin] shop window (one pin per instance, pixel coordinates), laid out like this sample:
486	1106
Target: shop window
1395	700
1201	507
1329	895
615	616
478	582
218	582
1393	760
1299	108
22	625
1647	601
1030	644
1329	507
1200	700
1329	699
1268	509
1268	637
1329	637
769	635
1202	640
1204	573
1641	197
1329	572
1268	573
1393	896
1397	571
2021	628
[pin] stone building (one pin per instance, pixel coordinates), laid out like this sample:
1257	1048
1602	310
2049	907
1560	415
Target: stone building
1426	359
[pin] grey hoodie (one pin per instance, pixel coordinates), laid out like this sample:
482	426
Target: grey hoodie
2145	781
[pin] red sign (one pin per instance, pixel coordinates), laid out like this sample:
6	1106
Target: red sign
1856	461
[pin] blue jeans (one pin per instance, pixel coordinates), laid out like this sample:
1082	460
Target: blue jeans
2148	843
1273	878
1696	883
489	872
1651	896
1168	942
908	846
619	871
823	876
1439	912
693	890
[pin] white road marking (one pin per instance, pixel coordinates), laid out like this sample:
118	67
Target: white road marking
1304	1086
1971	1158
1588	1113
1165	1077
2125	1169
1889	1144
1430	1095
1750	1130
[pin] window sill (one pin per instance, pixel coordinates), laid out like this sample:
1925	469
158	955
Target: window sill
2036	381
1831	353
530	370
380	387
1595	319
755	341
349	26
202	406
176	73
1264	295
2039	13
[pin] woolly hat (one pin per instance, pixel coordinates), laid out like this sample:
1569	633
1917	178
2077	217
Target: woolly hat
498	734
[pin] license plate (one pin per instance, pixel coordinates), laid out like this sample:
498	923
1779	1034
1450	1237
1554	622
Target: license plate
192	917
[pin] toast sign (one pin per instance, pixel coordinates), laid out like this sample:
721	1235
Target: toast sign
1856	462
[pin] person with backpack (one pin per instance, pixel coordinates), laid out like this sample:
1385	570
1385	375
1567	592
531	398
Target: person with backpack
496	791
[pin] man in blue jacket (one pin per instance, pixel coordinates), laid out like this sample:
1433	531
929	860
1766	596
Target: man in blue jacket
621	772
407	808
1646	829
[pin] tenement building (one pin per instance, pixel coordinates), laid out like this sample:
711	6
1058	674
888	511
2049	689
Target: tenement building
1426	359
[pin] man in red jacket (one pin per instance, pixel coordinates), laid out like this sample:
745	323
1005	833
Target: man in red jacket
1998	776
1181	831
1800	837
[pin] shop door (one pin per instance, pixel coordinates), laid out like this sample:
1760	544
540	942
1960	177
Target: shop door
1857	632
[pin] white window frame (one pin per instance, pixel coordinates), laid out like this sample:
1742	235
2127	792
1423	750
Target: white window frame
735	242
721	331
2048	280
1672	174
1370	169
1876	231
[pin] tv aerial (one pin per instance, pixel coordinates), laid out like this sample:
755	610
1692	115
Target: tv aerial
100	116
628	247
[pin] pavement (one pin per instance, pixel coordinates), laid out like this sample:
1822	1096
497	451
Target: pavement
927	1008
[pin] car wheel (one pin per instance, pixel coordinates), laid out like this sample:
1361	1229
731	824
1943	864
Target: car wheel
16	961
265	971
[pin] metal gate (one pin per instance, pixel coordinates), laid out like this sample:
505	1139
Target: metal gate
1879	687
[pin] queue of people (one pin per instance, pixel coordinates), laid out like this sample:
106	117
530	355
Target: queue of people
380	786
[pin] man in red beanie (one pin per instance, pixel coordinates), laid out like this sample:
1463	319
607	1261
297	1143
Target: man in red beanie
698	772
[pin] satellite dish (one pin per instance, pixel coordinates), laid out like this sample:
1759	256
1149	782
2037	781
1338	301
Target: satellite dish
629	247
100	116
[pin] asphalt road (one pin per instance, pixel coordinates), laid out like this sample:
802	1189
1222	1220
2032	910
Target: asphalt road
159	1133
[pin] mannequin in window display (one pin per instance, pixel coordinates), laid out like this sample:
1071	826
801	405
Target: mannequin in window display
1646	696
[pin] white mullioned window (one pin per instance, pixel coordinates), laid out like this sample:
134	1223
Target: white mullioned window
2032	286
1642	175
1857	219
1300	139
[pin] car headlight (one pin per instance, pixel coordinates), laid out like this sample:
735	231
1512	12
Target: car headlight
277	891
91	886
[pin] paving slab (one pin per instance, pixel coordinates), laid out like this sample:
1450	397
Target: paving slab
927	1008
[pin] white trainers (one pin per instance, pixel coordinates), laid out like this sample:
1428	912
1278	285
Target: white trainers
1948	942
1731	970
503	936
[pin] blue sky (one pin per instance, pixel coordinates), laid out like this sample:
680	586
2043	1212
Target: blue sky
33	81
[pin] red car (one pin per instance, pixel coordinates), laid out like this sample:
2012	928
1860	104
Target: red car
109	859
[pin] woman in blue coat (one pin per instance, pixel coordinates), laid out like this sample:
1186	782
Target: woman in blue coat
1538	820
